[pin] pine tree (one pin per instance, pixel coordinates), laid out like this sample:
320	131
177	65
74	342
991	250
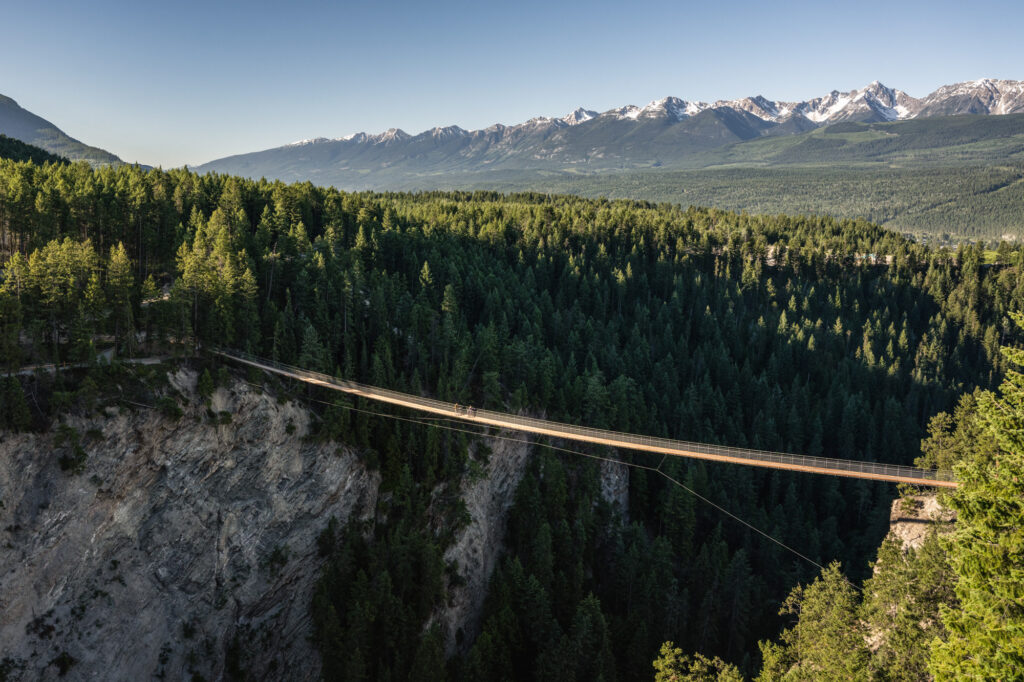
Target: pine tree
588	645
827	642
10	327
205	386
428	663
313	355
14	412
674	666
119	291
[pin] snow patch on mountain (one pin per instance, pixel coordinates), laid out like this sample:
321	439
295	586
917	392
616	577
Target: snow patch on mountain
694	108
579	116
312	140
671	107
537	121
390	135
759	106
447	132
629	112
983	96
822	109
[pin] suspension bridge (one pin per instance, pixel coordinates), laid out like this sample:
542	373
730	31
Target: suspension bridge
504	420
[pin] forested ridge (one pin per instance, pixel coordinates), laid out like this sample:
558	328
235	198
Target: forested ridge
935	203
809	335
16	150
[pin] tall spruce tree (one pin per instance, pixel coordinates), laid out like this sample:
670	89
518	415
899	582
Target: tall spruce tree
120	283
827	641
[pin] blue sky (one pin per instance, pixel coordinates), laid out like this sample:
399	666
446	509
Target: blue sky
185	82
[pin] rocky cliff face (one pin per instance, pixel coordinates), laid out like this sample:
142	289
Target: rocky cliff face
477	549
911	519
183	547
615	486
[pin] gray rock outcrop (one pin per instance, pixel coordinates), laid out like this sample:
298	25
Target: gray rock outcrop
478	547
911	519
183	547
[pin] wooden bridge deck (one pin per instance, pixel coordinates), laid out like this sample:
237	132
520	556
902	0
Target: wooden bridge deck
717	453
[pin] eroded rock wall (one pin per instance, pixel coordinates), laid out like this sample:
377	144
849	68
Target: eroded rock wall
183	546
478	547
911	519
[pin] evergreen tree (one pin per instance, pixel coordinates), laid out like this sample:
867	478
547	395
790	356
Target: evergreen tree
674	666
827	642
14	411
119	287
313	355
205	385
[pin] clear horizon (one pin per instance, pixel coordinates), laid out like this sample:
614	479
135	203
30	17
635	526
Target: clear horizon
186	84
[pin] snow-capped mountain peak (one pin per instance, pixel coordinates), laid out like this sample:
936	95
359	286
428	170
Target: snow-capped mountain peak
673	107
447	132
758	105
630	112
580	115
823	109
983	96
391	135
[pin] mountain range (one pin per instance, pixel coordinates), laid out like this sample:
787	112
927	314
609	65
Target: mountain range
23	125
668	132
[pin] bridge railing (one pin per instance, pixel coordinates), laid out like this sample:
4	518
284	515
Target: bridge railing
625	439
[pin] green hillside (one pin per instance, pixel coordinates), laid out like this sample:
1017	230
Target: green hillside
962	202
16	150
944	141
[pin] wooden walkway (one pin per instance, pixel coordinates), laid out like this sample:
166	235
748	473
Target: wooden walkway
716	453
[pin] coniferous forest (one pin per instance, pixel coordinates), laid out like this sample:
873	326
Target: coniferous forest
799	334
